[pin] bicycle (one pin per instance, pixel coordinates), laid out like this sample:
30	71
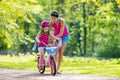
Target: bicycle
50	61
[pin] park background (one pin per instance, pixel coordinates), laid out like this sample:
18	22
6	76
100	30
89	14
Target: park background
94	30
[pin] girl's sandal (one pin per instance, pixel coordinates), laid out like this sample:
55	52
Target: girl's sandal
40	67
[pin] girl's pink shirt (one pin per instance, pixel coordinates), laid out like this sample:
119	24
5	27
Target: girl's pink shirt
57	27
43	39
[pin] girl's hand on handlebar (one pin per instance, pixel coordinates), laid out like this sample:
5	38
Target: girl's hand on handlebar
49	45
38	40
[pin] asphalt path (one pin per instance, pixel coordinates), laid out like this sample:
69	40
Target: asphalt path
11	74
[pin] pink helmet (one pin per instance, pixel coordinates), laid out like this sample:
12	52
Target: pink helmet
45	24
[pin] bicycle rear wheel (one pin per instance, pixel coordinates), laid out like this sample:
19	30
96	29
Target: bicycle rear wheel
41	69
53	66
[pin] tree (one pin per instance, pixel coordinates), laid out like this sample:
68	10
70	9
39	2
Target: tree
12	24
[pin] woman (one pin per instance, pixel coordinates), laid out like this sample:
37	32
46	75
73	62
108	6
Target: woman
60	30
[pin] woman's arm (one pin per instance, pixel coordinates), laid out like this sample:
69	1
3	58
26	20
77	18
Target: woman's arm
37	37
62	23
50	25
54	37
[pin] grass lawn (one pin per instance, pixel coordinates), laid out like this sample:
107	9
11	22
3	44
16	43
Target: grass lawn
77	65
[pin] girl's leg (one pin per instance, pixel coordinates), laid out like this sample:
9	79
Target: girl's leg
41	54
61	51
41	57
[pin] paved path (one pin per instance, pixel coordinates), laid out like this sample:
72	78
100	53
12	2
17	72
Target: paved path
10	74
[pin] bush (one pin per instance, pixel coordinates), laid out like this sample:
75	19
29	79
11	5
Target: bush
109	49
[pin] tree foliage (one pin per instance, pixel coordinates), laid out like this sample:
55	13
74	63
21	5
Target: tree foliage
19	23
13	14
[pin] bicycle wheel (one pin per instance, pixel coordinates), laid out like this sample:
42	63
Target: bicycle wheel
41	69
53	66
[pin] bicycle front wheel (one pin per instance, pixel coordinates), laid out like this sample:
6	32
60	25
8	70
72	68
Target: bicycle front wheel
53	66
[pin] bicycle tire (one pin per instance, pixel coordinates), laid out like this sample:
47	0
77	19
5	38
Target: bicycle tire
53	66
39	69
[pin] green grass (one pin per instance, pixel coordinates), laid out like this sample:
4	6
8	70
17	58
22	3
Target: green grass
92	66
77	65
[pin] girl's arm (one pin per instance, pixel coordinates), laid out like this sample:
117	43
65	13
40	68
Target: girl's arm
62	23
37	37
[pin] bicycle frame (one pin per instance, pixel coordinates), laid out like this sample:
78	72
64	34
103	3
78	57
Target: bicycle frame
51	51
50	60
47	62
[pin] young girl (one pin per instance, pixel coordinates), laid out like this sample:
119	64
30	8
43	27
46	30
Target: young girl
42	39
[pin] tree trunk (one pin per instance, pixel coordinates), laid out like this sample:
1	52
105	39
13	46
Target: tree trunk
26	28
78	37
85	28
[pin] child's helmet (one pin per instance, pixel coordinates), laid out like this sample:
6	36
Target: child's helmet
45	24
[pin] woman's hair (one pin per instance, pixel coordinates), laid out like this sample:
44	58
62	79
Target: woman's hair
55	13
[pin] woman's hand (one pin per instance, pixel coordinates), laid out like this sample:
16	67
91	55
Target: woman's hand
58	38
